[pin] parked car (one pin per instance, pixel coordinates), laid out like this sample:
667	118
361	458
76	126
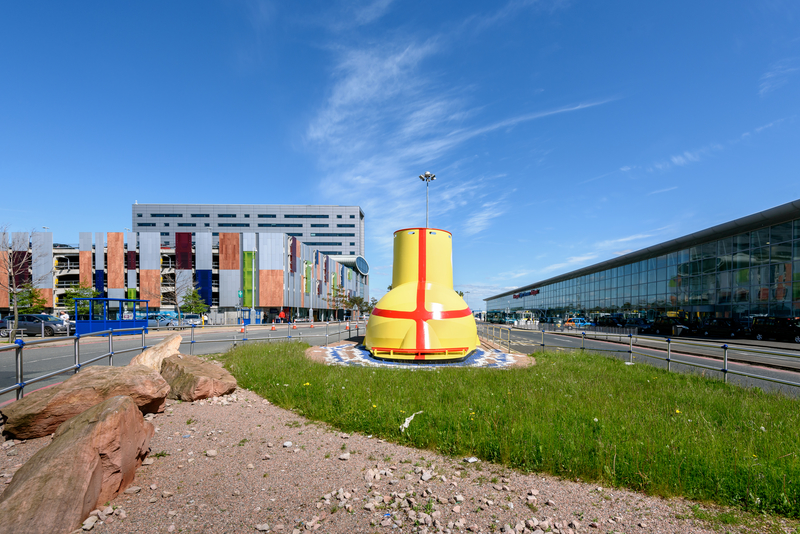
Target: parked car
577	322
610	321
637	322
776	328
719	327
187	319
34	324
669	326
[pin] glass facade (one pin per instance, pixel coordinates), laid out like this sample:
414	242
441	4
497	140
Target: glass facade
750	273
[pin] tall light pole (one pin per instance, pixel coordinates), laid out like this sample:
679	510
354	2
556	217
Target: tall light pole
427	178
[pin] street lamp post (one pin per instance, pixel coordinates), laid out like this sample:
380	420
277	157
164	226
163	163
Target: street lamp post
427	178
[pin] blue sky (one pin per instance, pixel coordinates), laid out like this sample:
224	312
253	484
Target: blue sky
561	133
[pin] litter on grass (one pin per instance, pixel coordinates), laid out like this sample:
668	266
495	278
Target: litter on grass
408	420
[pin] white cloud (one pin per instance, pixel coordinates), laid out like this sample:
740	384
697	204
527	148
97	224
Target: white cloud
777	75
626	168
662	191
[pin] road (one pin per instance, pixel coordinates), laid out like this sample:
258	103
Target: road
41	359
650	349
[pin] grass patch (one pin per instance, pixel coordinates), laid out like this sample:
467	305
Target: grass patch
575	415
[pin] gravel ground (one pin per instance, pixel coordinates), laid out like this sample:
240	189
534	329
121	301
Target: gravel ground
240	464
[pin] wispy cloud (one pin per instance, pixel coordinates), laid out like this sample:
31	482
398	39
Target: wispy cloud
662	190
610	243
777	75
383	122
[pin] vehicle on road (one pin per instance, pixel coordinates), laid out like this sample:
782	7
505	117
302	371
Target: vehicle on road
776	328
34	325
577	322
613	321
669	326
719	327
637	322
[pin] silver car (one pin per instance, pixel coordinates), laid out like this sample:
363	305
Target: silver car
33	325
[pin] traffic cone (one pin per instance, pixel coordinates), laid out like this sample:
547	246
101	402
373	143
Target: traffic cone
273	326
347	327
294	327
242	330
312	325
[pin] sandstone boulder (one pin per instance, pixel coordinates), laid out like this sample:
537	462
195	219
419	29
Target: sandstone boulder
41	412
91	459
153	356
191	378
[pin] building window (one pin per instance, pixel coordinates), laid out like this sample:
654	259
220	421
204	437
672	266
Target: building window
352	244
295	234
266	215
246	215
227	215
166	215
166	224
338	216
315	244
345	225
332	235
138	214
319	226
234	225
215	234
352	216
166	234
279	225
187	224
352	253
145	224
200	215
304	216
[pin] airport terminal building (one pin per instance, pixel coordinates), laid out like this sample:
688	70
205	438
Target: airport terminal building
739	269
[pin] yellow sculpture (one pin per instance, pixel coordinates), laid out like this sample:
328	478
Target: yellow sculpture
422	318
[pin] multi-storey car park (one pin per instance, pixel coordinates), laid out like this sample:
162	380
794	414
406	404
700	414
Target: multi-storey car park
273	271
334	230
740	269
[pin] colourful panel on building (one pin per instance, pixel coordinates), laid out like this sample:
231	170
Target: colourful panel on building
204	285
229	251
85	266
4	268
150	283
248	281
270	288
116	261
183	251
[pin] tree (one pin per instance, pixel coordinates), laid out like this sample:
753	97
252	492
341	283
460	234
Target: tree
80	292
194	303
29	299
16	256
176	289
460	294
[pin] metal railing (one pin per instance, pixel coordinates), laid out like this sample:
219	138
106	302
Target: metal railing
496	334
19	348
250	332
634	341
247	332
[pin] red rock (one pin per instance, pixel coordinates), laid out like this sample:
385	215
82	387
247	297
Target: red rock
92	458
41	412
191	378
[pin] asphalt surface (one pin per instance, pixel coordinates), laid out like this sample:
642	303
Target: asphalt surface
57	353
742	357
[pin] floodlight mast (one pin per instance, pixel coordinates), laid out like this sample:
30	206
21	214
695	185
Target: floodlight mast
427	178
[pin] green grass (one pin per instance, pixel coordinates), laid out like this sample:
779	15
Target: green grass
575	415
